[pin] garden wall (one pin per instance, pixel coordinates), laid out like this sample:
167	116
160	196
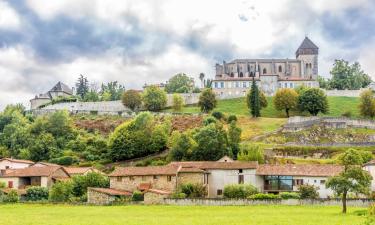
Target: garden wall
224	202
344	93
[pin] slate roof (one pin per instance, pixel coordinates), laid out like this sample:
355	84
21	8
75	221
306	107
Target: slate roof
307	47
308	170
61	87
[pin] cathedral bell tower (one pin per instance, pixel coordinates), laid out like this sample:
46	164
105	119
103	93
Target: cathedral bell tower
308	54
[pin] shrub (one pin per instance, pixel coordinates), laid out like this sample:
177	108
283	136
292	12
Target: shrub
65	160
218	115
193	190
178	195
37	194
308	192
2	185
347	114
81	183
154	98
208	120
251	152
137	196
132	99
61	192
232	118
207	100
371	210
11	197
177	102
239	190
289	195
262	196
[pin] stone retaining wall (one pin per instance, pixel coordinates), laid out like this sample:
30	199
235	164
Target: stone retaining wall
227	202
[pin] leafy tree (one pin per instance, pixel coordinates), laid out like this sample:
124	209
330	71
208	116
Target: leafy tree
177	102
180	83
193	190
251	153
212	143
241	191
112	91
207	100
91	96
313	100
367	104
255	100
234	138
181	146
44	147
82	182
285	99
300	89
323	83
82	86
154	98
61	191
353	178
345	76
132	99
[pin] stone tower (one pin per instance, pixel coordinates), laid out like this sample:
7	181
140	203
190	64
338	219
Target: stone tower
308	54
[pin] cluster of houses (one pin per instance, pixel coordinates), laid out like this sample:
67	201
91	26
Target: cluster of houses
159	182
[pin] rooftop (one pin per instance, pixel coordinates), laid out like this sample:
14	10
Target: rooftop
111	191
17	160
311	170
218	165
61	87
42	171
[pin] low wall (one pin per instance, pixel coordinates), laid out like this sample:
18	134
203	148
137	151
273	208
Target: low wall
344	93
228	202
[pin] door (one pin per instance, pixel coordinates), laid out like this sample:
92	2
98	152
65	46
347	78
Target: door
10	184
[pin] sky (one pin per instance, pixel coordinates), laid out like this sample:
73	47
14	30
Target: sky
147	41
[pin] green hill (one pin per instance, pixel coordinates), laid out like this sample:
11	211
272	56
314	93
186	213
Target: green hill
337	106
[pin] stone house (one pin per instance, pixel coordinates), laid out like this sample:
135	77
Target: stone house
59	90
72	171
9	163
104	196
33	176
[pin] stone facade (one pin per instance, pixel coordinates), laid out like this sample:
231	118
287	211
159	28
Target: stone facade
131	183
98	198
235	77
152	198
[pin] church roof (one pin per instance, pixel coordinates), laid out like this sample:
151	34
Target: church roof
307	47
61	87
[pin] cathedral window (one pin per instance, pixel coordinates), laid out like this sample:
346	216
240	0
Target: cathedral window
280	69
251	74
241	74
231	74
264	71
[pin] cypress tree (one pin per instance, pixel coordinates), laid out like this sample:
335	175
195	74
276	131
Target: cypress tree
254	101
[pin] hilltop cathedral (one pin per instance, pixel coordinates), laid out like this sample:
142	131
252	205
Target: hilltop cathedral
235	77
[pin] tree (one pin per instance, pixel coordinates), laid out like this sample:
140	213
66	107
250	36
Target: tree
82	86
82	182
132	99
44	147
91	96
112	91
207	100
201	77
177	102
313	100
251	153
367	104
154	98
234	139
308	192
253	99
285	99
353	178
181	146
345	76
61	191
323	83
180	83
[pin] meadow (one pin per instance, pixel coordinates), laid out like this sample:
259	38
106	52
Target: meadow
237	106
34	214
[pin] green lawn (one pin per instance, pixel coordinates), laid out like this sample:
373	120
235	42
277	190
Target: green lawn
160	215
338	105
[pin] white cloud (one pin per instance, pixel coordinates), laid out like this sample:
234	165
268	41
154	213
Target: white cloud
9	18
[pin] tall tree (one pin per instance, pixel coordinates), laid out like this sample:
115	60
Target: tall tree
154	98
285	99
367	104
313	100
346	76
113	90
82	86
254	100
132	99
180	83
207	100
353	178
201	77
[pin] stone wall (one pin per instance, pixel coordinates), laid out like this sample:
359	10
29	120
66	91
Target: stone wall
131	184
151	198
193	178
345	93
98	198
224	202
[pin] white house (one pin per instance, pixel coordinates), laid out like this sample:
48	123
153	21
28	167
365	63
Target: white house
9	163
370	167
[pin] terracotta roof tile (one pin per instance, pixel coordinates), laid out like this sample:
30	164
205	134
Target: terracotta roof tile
44	171
111	191
312	170
142	171
77	170
17	160
144	186
218	165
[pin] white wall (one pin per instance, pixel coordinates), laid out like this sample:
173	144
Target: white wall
371	170
12	165
316	181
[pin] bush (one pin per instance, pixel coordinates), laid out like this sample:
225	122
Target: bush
308	192
11	197
239	190
65	160
347	114
232	118
61	192
137	196
178	195
193	190
208	120
132	99
154	98
37	194
218	115
262	196
3	185
81	183
371	210
251	152
289	195
207	100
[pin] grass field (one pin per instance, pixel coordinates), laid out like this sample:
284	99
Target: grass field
338	105
165	215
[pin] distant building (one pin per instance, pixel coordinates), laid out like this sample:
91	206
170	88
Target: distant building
159	85
234	78
9	163
59	90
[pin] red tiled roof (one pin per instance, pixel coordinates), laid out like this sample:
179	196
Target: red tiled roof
190	170
218	165
111	191
311	170
142	171
45	164
44	171
144	186
77	170
17	160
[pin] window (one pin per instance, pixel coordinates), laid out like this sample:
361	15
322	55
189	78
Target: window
298	182
215	84
241	74
131	178
278	183
240	179
231	74
240	170
119	179
322	182
251	74
7	167
219	192
264	71
237	84
244	84
222	85
155	177
280	69
285	85
10	184
169	178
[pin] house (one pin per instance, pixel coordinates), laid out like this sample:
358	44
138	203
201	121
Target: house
33	176
9	163
60	90
72	171
288	177
370	167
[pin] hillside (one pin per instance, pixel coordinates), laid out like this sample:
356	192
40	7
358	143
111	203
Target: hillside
338	106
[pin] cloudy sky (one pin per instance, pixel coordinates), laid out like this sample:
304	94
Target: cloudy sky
147	41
